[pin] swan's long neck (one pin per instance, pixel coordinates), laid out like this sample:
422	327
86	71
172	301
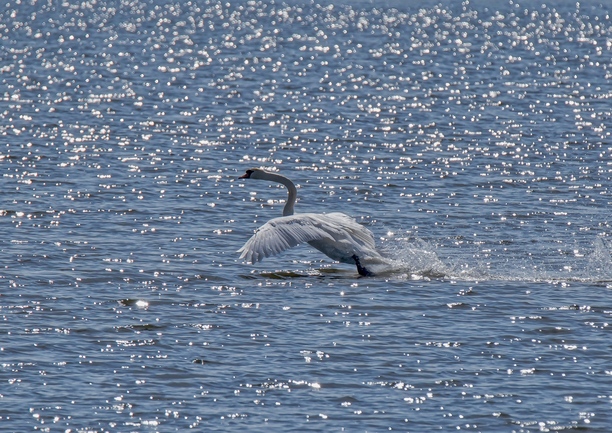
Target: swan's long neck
291	198
291	193
291	190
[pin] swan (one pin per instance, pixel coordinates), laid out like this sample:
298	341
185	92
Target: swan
335	234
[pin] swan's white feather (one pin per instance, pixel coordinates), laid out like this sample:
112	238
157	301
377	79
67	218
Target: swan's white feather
335	234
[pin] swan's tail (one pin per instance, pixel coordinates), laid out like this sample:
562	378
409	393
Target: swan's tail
374	263
416	261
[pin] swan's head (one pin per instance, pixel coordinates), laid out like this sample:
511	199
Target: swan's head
253	173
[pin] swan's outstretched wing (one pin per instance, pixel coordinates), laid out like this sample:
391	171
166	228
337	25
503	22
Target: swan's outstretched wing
280	234
358	233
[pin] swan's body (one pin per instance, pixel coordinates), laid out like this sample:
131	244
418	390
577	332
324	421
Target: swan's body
335	234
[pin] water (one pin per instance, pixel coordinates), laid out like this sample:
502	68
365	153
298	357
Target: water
471	138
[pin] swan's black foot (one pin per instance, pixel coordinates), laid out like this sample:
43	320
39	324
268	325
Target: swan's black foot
362	271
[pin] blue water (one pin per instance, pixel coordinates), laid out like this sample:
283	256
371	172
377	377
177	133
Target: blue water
472	138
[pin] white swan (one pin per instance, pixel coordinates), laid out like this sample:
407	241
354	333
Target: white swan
335	234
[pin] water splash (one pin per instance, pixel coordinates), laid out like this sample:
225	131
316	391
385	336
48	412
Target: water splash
412	258
599	264
416	258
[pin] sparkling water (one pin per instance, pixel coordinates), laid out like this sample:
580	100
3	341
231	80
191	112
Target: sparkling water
472	139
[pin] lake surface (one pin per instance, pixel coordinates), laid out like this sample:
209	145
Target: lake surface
472	138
